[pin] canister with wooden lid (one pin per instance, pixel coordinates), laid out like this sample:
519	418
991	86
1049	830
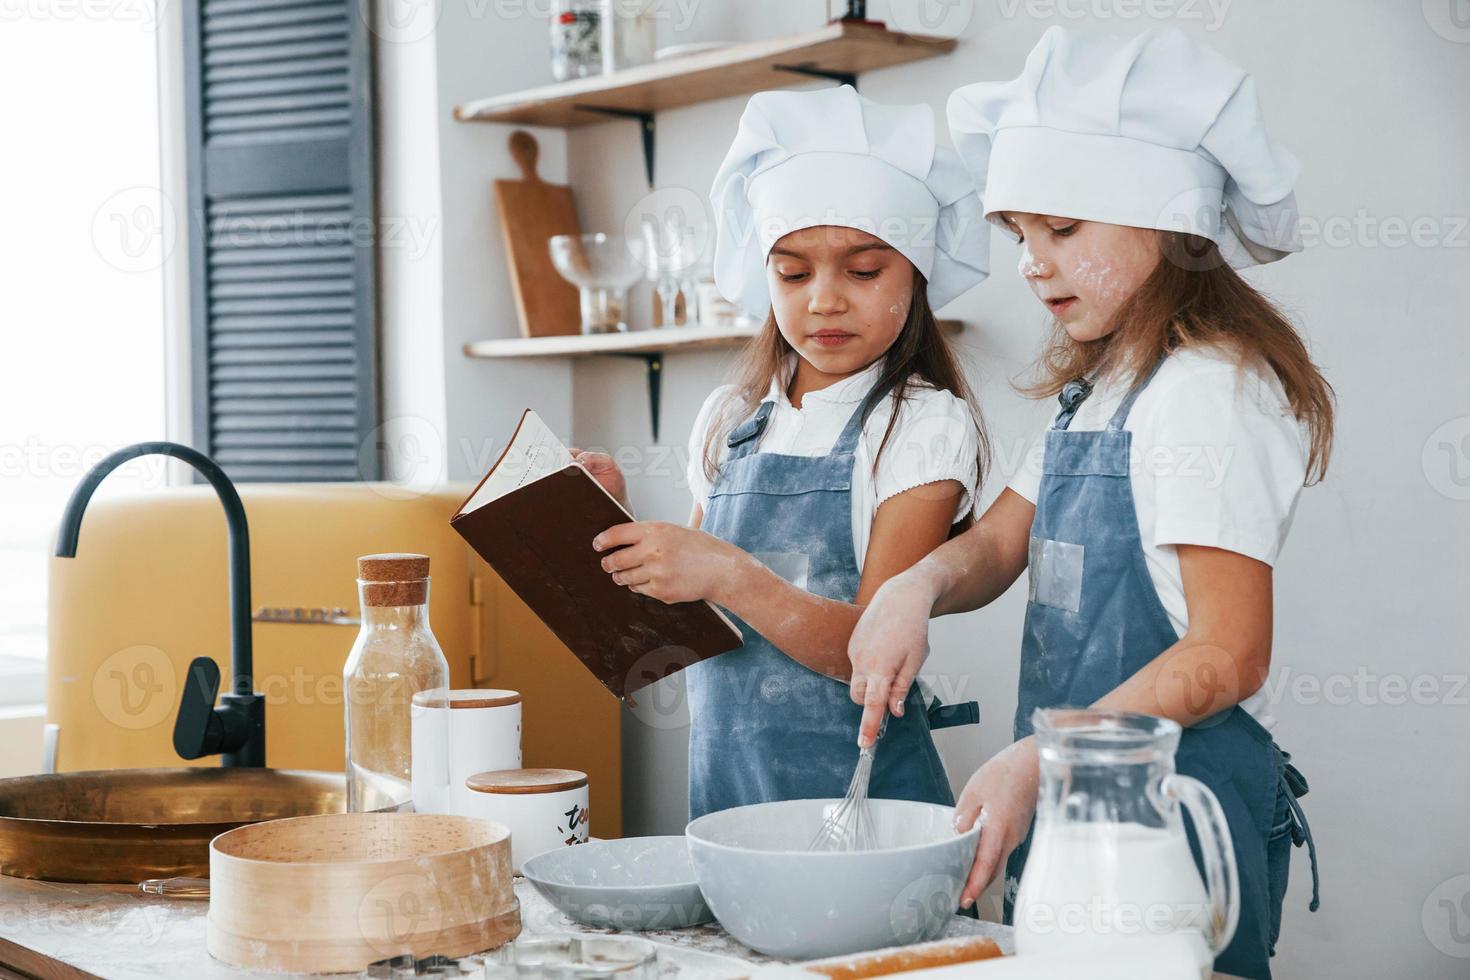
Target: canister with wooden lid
484	735
544	808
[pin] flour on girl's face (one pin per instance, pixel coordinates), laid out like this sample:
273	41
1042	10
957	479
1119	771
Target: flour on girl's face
1028	267
1095	264
1096	276
900	313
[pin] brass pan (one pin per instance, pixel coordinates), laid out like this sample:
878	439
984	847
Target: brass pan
127	825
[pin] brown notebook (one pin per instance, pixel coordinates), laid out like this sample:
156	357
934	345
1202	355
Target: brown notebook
533	518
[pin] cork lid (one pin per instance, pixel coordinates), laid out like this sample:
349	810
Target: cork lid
394	579
467	698
526	781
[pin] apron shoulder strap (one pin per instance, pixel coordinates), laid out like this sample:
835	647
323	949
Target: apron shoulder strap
1073	394
745	437
853	431
1115	424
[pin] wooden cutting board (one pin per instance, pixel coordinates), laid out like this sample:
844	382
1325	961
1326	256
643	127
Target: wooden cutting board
531	211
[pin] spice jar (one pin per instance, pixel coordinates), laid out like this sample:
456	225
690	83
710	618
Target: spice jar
576	39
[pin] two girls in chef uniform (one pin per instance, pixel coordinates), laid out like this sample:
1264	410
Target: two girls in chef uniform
848	449
1136	174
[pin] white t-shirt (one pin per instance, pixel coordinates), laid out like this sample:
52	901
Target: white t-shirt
1217	460
934	440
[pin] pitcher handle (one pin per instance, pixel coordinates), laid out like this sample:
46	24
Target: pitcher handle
1222	878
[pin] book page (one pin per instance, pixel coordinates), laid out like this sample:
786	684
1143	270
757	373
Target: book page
533	453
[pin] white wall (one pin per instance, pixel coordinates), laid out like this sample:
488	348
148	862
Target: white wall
1371	587
444	279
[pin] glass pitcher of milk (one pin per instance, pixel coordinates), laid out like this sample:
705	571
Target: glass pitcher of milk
1109	857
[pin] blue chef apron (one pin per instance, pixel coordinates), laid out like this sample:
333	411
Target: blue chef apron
1094	619
764	727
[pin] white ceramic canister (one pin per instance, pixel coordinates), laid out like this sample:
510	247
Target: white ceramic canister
544	808
484	735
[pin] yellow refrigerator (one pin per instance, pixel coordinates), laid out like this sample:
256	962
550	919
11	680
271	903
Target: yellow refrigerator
148	591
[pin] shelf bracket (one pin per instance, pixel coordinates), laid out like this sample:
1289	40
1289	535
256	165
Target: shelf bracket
654	360
840	77
645	127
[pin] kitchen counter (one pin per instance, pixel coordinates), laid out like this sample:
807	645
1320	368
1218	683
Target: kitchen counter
64	931
79	932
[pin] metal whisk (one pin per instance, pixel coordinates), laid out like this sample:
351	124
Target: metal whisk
849	827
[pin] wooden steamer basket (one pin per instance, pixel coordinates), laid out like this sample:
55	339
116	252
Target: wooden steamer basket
335	892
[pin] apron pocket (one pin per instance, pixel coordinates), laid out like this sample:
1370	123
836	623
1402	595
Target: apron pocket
793	566
1056	574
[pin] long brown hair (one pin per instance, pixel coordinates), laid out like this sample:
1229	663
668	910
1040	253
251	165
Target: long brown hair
1194	298
920	354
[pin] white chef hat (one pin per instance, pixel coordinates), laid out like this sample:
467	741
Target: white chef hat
832	157
1156	131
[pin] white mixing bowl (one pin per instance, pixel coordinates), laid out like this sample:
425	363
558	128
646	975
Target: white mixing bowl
774	895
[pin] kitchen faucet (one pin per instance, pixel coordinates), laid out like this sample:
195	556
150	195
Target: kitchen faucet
236	728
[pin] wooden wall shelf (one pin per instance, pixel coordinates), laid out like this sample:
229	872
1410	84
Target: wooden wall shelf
654	341
648	345
841	48
659	340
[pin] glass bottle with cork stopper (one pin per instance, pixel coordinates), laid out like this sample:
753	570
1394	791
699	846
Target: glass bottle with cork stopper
396	692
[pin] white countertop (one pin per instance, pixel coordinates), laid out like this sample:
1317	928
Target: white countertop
114	932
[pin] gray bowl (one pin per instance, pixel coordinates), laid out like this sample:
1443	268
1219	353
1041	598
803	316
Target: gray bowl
774	895
632	883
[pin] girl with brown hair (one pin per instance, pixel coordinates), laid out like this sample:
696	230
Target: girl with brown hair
848	448
1135	173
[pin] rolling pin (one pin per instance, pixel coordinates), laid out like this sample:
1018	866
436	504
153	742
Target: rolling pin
883	962
1176	956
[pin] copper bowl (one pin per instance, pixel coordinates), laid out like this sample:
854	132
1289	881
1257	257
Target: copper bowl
128	825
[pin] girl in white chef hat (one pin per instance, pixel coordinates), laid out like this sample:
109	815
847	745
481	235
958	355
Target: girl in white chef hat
1136	175
848	447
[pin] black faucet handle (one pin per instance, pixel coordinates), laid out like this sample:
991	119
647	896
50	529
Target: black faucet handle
202	729
235	729
198	731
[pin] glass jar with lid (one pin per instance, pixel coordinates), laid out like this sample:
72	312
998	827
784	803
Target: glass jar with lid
396	692
576	38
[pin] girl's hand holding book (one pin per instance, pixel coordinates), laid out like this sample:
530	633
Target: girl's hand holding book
670	562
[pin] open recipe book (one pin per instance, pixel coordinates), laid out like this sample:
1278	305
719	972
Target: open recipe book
533	518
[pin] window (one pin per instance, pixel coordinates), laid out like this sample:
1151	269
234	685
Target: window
81	311
282	244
